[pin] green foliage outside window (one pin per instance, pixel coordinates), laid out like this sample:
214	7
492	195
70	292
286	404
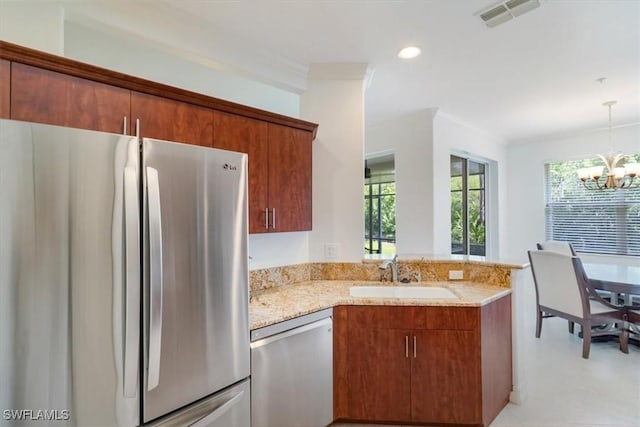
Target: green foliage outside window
474	229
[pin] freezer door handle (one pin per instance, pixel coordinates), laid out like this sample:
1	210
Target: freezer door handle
219	411
155	276
132	277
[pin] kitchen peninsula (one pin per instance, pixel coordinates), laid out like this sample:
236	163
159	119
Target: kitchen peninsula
457	358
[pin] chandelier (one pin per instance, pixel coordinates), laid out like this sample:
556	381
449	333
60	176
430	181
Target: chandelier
617	176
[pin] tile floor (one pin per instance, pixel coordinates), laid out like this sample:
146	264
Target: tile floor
565	390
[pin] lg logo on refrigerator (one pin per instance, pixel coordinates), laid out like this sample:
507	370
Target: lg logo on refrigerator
229	167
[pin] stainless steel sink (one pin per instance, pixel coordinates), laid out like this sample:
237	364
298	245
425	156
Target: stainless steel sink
410	292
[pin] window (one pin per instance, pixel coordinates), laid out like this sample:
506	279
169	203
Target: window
468	210
595	221
380	206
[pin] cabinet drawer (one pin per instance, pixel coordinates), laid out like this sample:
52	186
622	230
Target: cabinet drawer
454	318
387	317
415	317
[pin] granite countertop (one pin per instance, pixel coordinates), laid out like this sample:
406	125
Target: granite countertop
281	303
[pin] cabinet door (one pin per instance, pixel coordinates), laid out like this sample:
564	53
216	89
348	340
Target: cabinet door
43	96
289	178
378	372
237	133
445	377
5	87
169	120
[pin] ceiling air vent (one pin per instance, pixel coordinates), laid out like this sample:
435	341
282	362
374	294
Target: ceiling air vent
504	11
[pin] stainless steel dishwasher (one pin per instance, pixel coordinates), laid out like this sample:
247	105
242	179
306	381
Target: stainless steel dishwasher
292	372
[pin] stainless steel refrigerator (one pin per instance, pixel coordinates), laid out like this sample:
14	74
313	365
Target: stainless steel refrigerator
123	280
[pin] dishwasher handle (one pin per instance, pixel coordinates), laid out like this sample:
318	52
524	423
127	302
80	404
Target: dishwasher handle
323	323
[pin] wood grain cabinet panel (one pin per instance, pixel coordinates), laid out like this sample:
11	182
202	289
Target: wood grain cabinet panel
245	135
445	377
43	96
279	171
424	365
289	178
5	89
379	375
169	120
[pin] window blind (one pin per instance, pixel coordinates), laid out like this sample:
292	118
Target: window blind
594	221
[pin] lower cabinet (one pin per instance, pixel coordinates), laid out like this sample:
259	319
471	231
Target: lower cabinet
422	365
446	377
379	378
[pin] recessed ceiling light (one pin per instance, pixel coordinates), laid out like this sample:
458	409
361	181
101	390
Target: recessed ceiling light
409	52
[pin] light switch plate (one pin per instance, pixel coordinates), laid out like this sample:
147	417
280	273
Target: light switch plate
331	250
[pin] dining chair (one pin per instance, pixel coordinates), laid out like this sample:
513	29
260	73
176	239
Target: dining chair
634	320
557	246
562	247
631	324
563	290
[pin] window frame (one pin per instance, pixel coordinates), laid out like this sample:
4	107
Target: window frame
465	190
378	197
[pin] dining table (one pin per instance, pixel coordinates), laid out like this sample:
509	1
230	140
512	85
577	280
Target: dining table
622	280
623	283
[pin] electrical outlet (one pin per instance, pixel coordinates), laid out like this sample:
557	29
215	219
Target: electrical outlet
456	275
331	250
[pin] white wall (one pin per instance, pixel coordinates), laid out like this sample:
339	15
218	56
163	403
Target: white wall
410	138
423	143
525	178
36	24
131	55
454	137
338	106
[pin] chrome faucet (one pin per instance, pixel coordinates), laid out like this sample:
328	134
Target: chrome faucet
394	267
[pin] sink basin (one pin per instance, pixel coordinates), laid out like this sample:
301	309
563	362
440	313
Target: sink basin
415	292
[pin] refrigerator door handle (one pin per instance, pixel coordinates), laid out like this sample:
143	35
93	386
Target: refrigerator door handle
132	277
208	419
155	276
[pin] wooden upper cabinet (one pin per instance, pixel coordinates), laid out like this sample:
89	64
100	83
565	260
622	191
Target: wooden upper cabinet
279	170
39	87
5	88
237	133
289	178
169	120
43	96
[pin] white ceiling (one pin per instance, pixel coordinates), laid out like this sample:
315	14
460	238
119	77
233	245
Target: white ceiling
527	78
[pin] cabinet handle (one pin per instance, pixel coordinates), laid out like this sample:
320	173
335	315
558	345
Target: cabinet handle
138	128
125	131
406	346
273	224
415	347
266	218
